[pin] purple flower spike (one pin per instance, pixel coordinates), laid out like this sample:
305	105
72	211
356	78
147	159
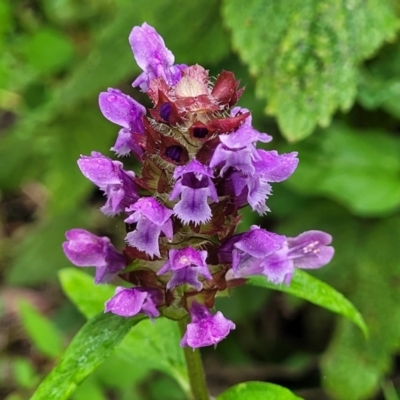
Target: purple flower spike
205	329
186	264
87	250
124	111
194	186
153	57
129	302
117	184
151	218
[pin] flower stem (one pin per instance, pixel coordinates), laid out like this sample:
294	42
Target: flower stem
195	369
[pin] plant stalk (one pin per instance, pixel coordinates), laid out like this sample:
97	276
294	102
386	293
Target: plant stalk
197	378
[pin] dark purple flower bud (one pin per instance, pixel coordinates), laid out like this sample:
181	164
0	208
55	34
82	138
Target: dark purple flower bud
174	153
200	132
194	185
87	250
165	111
129	302
117	184
153	57
151	218
186	265
205	329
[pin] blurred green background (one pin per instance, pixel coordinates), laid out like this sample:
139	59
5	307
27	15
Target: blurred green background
321	76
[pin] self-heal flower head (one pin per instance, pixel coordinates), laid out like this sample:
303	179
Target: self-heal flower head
116	183
124	111
205	329
186	265
194	186
153	57
132	301
84	249
151	218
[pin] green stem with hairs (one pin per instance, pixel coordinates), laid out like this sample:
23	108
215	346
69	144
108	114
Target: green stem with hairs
197	378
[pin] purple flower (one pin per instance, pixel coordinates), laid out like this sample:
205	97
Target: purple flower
260	252
194	186
87	250
153	57
117	184
269	167
237	149
129	302
122	110
205	329
186	265
151	218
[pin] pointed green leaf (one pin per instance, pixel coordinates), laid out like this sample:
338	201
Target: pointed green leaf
45	336
152	344
258	391
312	289
77	285
90	347
305	53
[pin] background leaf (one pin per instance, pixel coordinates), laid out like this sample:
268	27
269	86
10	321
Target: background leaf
45	336
309	288
305	53
257	391
90	347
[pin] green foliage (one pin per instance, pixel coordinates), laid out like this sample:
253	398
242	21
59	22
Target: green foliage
44	335
257	391
357	168
305	54
375	291
152	344
309	288
77	284
90	347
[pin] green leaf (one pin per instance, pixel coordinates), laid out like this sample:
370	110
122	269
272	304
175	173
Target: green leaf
305	53
317	292
44	335
351	364
156	345
90	347
152	344
24	373
380	81
257	391
77	284
48	50
360	169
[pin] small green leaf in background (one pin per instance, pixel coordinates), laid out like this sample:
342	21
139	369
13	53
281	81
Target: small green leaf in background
82	291
92	345
44	335
24	373
257	391
48	50
317	292
359	169
305	53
